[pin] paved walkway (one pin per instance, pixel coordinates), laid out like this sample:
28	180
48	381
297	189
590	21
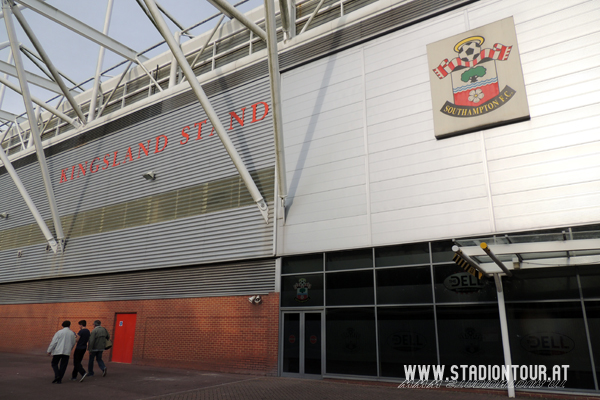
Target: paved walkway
24	377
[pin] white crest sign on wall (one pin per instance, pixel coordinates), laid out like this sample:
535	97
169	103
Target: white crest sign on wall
476	80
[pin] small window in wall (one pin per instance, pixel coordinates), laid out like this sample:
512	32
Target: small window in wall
541	284
349	260
453	285
406	337
404	285
302	290
301	264
402	255
351	347
469	335
551	333
350	288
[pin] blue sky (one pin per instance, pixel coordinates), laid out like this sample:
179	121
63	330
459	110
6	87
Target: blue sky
77	56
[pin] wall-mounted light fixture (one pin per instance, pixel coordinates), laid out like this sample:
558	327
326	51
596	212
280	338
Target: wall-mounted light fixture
4	215
149	176
255	299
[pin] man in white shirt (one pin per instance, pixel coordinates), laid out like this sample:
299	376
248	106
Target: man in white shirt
60	348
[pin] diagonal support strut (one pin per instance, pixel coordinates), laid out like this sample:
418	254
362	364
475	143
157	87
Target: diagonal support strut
210	112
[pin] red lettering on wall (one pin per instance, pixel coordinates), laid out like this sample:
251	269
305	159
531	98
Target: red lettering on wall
237	118
82	169
114	164
199	125
143	148
185	135
254	109
106	161
63	175
92	170
158	142
128	156
72	172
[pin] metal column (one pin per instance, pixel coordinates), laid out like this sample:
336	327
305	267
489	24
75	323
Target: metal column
92	113
10	28
504	332
276	97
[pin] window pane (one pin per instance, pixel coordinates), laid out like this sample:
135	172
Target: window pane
350	288
590	281
349	260
300	264
442	251
592	309
541	284
406	337
291	343
454	285
312	343
302	290
404	285
351	341
469	335
402	255
551	334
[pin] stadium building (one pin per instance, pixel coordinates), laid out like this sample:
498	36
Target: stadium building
391	184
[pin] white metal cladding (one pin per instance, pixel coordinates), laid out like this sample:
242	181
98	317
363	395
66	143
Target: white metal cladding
232	279
363	164
221	236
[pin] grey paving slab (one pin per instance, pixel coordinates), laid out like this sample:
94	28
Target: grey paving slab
26	376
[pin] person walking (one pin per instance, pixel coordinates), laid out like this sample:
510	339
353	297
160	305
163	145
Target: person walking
60	348
96	346
82	340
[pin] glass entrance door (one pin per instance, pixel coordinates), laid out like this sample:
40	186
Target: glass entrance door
302	343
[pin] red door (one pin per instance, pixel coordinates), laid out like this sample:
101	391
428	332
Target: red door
124	335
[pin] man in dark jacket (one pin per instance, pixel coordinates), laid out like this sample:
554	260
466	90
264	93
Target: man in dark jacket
96	346
82	340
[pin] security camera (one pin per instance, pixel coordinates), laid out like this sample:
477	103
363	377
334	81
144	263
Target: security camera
4	215
149	176
257	299
251	299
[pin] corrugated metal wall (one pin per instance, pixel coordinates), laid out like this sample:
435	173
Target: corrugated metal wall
219	225
363	165
231	279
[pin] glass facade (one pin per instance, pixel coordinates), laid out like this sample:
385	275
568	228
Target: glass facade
392	307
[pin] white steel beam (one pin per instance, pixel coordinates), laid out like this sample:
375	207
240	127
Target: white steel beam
232	12
92	113
40	49
80	28
535	247
42	103
34	211
32	78
33	126
210	112
276	96
5	115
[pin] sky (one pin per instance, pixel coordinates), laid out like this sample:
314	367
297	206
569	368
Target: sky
77	56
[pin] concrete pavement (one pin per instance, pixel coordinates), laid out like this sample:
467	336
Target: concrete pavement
24	377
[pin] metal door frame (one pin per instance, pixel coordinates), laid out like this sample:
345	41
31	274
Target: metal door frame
302	327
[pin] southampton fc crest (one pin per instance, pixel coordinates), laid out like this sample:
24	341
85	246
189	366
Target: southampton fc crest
476	80
302	287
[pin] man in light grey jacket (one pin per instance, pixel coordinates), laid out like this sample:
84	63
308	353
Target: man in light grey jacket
60	348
